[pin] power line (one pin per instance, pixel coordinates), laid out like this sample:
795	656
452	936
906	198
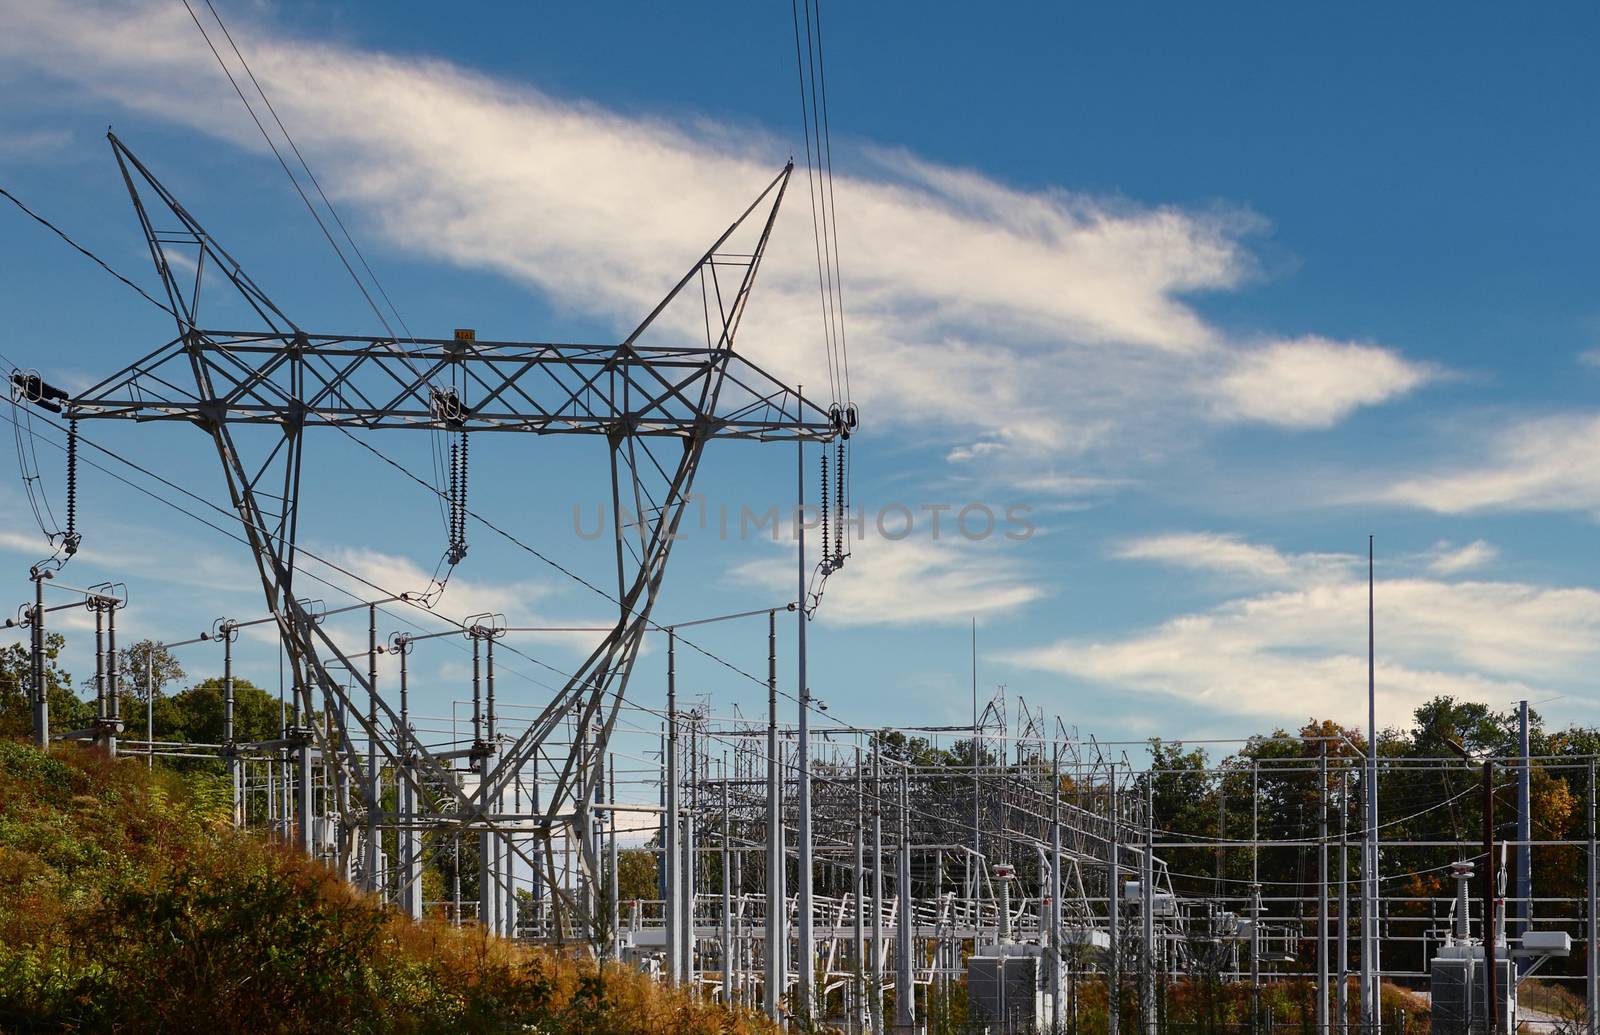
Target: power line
833	207
295	182
91	256
818	232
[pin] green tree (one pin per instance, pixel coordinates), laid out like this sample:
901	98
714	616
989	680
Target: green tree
142	661
636	874
1183	794
895	746
960	755
195	714
67	710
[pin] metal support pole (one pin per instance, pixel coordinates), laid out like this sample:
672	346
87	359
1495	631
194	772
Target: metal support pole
806	963
615	884
150	709
741	954
1592	941
336	780
688	942
777	937
858	888
303	791
673	905
100	712
480	758
942	959
508	896
369	862
1524	886
905	986
1113	910
536	879
1341	992
877	888
113	701
975	865
1322	890
410	839
271	768
727	895
1255	897
1491	975
603	821
227	632
41	692
1371	999
455	883
1147	902
1053	942
285	783
581	881
496	802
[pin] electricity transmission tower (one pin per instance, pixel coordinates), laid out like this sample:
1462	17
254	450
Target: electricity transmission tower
254	392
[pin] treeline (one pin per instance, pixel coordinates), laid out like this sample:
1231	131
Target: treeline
1274	790
152	694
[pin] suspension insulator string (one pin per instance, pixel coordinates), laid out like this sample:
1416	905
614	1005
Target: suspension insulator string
842	507
825	507
70	539
455	496
461	509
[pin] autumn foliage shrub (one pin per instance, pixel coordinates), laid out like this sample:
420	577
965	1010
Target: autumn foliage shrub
128	903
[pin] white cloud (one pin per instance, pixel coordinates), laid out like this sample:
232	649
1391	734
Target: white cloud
1231	555
1300	651
1054	323
1313	382
33	143
1453	560
975	451
911	582
1545	463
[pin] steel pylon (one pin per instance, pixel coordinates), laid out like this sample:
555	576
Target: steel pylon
255	392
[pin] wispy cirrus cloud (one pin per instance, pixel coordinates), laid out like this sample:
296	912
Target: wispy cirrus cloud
1546	463
1294	644
1036	325
913	582
1448	559
26	144
1232	555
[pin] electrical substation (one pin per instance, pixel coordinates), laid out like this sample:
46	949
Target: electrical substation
870	879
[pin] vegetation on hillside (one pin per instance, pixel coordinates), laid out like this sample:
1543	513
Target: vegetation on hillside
129	903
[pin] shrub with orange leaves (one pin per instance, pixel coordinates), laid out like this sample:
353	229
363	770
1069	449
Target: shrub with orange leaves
129	904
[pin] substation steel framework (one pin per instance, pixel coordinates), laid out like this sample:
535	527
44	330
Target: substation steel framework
255	393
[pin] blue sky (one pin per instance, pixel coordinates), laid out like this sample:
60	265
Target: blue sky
1215	292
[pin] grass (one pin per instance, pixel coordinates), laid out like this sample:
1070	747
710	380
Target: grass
128	903
1552	999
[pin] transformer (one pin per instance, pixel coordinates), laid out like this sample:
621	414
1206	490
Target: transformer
1006	990
1460	975
1459	980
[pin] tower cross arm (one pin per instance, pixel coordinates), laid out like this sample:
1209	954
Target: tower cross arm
454	384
